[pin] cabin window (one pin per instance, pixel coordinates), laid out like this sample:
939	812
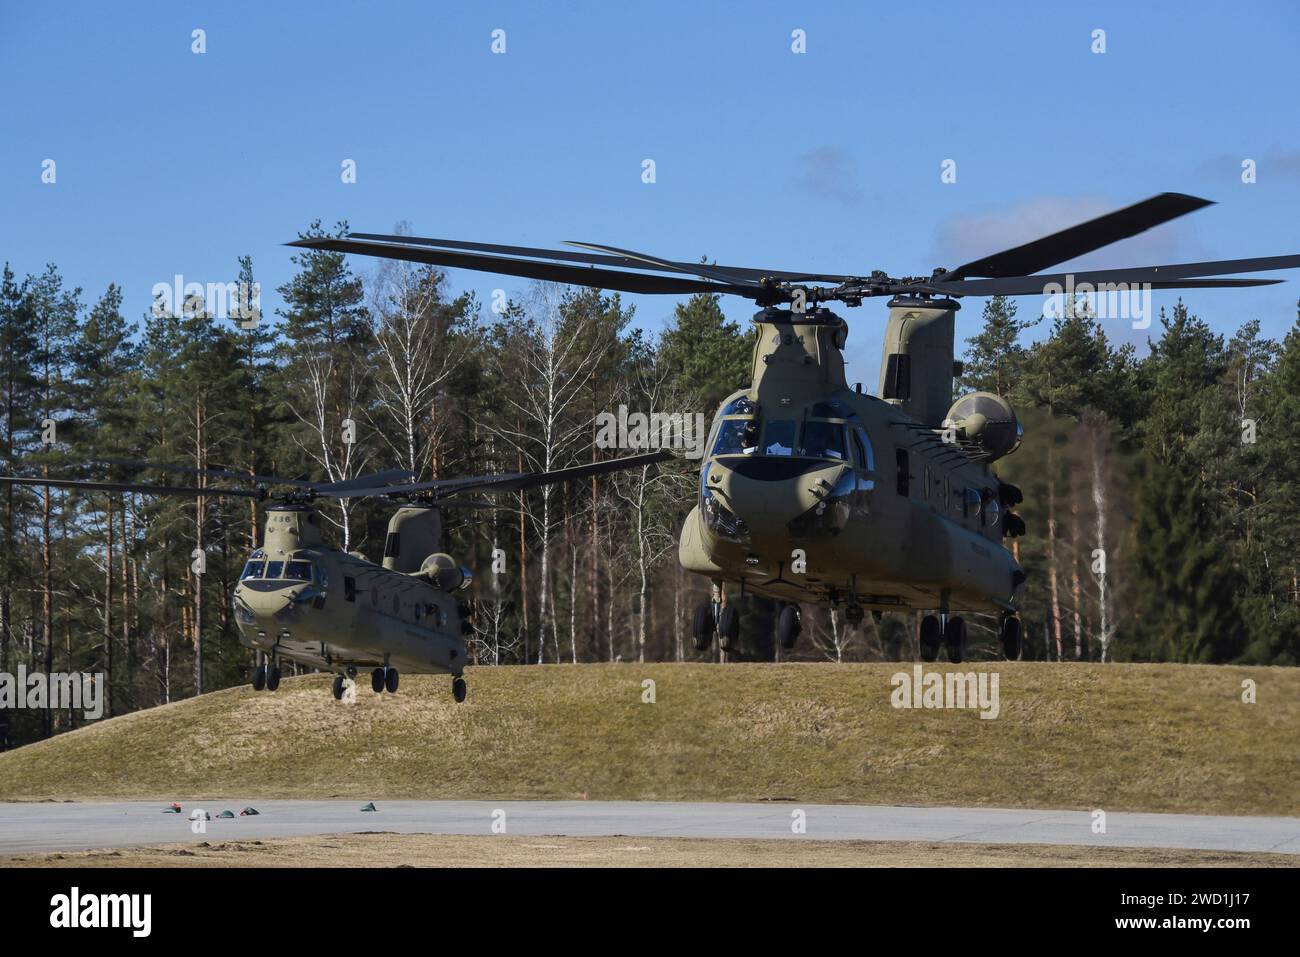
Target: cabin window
970	503
823	440
901	459
393	545
349	588
251	570
778	437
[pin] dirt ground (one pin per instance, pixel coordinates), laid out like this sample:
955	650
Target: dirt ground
428	850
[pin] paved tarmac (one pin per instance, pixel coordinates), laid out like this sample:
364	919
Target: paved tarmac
47	827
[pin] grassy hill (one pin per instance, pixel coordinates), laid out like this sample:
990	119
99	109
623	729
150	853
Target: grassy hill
1120	737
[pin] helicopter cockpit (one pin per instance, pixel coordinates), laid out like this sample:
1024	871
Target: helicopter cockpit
827	430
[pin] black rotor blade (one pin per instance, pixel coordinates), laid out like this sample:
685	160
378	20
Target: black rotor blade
219	473
514	481
552	272
97	486
1080	239
1174	276
731	273
707	272
373	480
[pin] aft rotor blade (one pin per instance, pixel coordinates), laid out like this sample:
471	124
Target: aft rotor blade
97	486
219	473
1083	238
731	273
529	269
1175	276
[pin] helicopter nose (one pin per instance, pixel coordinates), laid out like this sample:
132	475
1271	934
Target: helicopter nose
767	503
269	602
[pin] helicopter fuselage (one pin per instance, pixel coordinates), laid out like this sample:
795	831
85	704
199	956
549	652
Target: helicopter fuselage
814	492
324	608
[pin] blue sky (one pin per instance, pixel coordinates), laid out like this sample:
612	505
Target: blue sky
170	162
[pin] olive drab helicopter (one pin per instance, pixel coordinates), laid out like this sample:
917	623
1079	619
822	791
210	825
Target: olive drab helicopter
300	599
812	491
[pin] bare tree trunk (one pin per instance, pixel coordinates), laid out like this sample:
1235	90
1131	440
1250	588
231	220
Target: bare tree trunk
1051	553
47	597
108	610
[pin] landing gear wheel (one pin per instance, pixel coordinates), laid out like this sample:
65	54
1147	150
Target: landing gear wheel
930	636
1011	638
272	678
788	626
854	614
728	628
259	677
390	681
703	626
459	689
338	688
954	639
377	681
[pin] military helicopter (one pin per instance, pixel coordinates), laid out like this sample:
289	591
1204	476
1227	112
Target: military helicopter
814	492
302	600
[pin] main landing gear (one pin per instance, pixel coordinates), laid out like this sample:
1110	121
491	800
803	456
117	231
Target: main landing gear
459	689
1012	637
384	679
711	618
951	633
265	677
789	624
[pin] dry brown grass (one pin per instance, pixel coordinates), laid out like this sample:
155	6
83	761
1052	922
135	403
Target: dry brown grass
1124	737
429	850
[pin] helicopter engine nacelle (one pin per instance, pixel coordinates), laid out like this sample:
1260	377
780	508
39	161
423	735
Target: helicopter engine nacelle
444	573
987	421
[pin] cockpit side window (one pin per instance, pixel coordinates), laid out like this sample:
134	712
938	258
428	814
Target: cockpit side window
823	440
298	571
866	456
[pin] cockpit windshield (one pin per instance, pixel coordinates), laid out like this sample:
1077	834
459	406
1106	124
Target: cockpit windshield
823	440
297	570
778	437
736	437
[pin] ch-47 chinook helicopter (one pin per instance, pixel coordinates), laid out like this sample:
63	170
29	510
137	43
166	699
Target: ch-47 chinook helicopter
814	492
302	600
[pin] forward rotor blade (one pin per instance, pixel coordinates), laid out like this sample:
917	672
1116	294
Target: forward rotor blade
1080	239
96	486
373	480
645	261
220	473
731	273
510	481
551	272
